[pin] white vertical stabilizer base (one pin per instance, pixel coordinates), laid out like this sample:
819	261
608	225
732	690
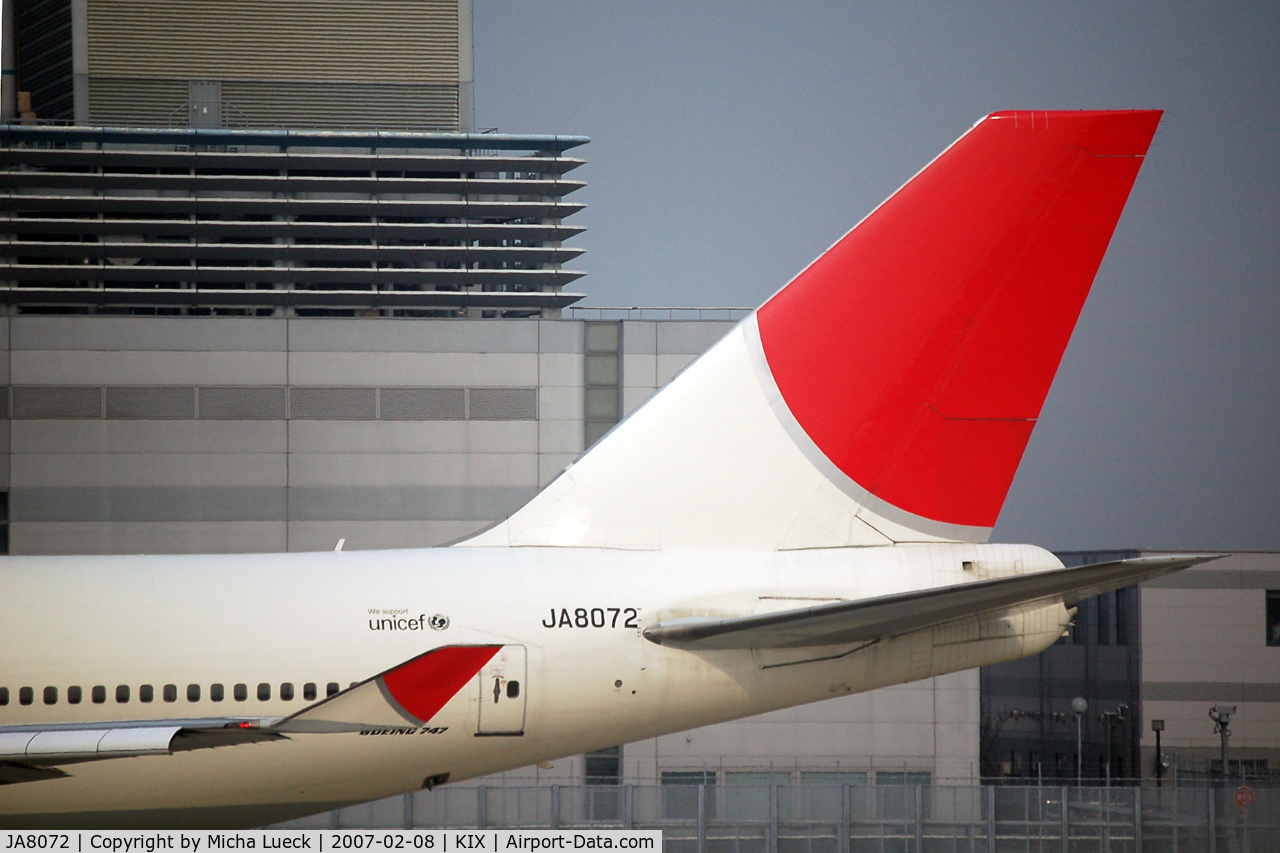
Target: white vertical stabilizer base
705	464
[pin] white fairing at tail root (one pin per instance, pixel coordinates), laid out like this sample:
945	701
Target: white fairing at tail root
706	464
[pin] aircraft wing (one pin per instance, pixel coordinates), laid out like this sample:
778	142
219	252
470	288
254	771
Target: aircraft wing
30	754
867	619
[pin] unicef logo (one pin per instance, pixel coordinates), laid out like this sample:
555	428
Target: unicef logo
438	622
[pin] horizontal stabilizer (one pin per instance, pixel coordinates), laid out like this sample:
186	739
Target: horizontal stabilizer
845	622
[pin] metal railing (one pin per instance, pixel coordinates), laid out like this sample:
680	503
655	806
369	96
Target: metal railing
591	312
854	818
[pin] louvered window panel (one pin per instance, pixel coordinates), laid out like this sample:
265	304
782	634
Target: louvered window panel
242	403
433	404
503	404
57	401
151	403
386	40
305	105
125	101
331	403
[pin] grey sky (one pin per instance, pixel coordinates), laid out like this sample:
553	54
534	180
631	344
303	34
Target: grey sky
732	143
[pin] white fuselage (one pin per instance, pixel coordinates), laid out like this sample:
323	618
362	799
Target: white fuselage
325	618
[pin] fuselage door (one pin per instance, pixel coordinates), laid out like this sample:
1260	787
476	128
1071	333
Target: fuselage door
502	693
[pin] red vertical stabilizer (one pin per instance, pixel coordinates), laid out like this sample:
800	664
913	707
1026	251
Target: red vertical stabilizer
886	394
917	351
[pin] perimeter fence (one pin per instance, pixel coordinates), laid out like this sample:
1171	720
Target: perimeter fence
708	818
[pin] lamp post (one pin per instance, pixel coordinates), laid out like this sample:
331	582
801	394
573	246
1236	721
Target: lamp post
1122	717
1157	726
1107	718
1080	706
1221	716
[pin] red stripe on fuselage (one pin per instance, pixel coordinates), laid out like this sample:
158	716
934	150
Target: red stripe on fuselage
917	352
423	685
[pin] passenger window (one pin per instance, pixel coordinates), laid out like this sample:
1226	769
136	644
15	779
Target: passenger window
122	693
74	694
513	689
264	692
26	696
309	691
51	696
286	692
171	693
99	694
4	695
193	692
146	693
241	692
331	688
215	692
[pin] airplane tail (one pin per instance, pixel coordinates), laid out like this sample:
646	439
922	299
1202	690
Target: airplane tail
887	393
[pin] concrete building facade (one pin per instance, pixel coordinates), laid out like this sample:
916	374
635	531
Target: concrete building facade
388	64
1211	637
223	434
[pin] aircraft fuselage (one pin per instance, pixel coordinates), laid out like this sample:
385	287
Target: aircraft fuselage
267	632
